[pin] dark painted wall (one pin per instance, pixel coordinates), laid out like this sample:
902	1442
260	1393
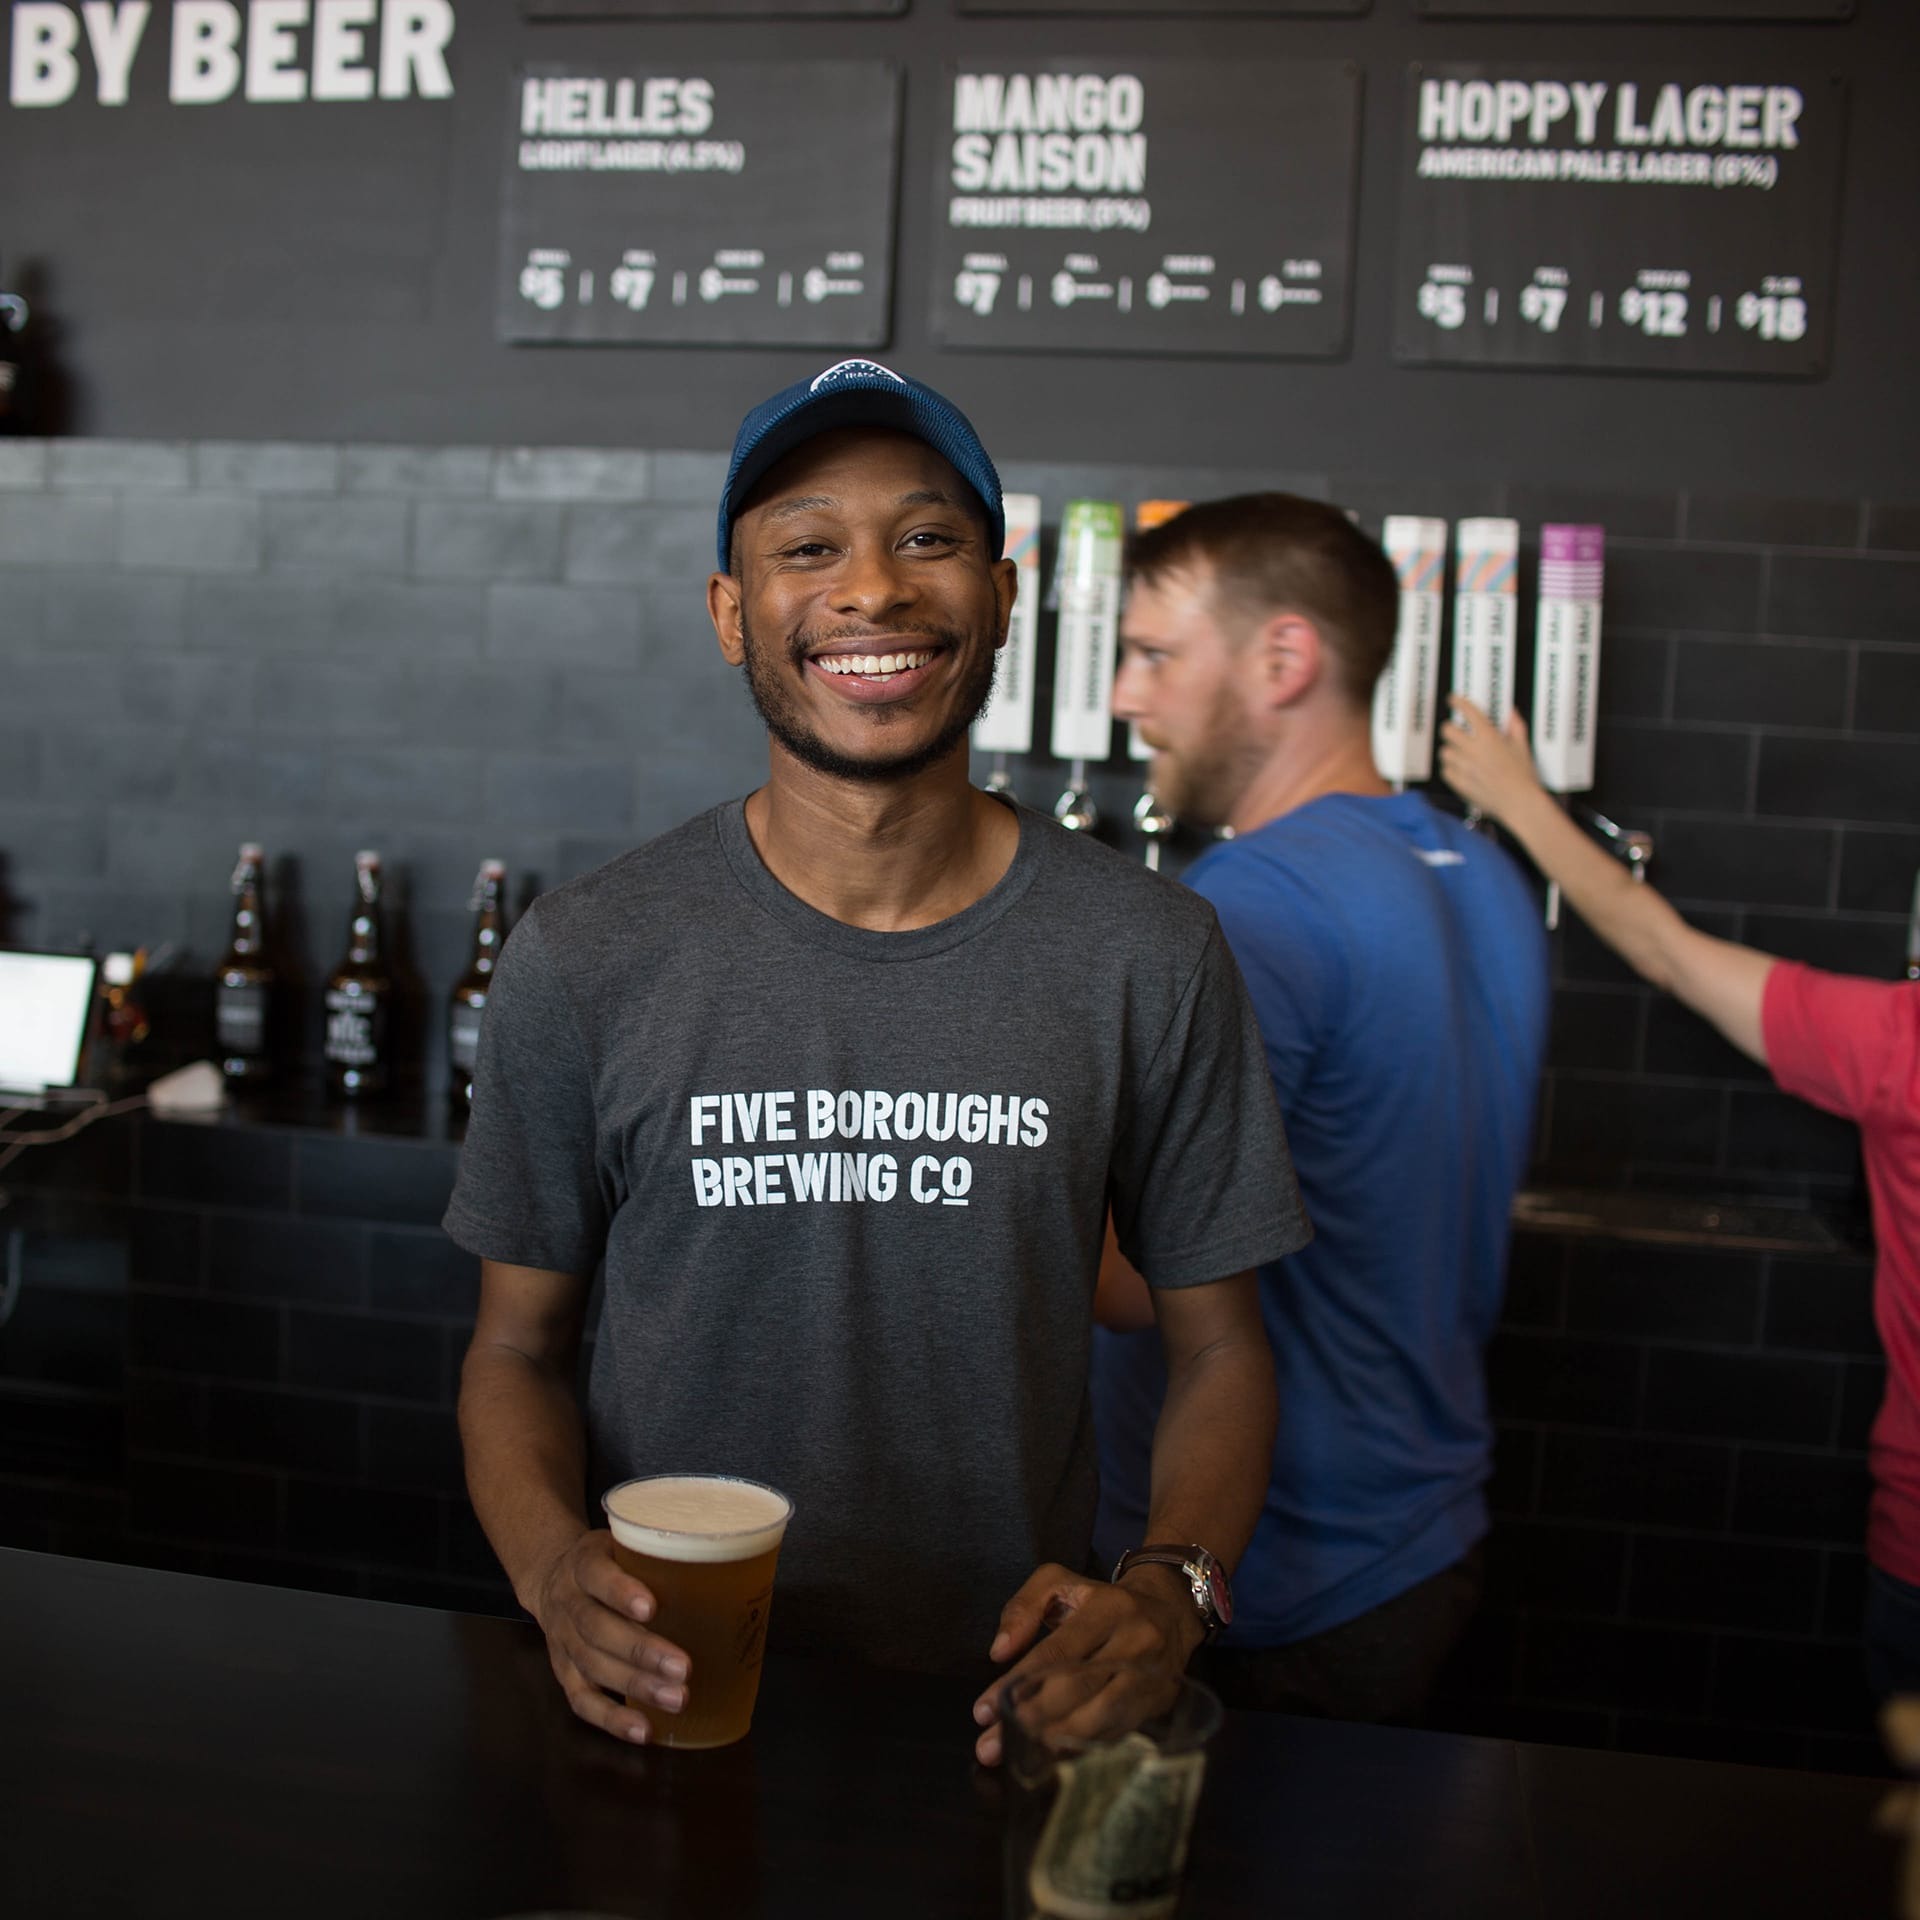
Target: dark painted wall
326	272
329	577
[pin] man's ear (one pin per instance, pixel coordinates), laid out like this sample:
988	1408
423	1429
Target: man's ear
723	609
1292	657
1006	589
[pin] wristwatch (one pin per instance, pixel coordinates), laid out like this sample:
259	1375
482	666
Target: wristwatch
1212	1596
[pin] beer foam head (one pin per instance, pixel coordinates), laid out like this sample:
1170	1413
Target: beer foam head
694	1516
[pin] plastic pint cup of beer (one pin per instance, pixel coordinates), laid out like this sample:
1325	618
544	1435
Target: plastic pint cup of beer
1105	1763
705	1546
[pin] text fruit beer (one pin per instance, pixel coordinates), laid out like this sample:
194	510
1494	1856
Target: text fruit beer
705	1545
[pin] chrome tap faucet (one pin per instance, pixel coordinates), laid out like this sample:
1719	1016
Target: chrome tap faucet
1626	844
1075	809
1153	823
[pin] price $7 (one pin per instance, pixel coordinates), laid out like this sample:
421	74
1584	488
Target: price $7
1543	306
631	286
978	289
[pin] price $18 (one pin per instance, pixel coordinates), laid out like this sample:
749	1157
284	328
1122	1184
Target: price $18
1772	316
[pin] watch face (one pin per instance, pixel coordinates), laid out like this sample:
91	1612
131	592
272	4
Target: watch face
1221	1595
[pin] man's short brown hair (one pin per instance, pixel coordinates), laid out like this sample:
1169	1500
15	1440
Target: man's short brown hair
1268	552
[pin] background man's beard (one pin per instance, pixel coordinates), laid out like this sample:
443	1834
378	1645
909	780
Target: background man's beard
773	700
1203	786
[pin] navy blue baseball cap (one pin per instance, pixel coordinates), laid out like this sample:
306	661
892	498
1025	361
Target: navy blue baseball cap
857	393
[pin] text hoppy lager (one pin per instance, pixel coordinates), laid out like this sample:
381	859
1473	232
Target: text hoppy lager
705	1546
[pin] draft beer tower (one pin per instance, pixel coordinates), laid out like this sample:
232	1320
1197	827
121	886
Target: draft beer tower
1566	663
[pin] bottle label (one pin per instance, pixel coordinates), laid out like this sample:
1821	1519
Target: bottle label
463	1038
356	1028
240	1018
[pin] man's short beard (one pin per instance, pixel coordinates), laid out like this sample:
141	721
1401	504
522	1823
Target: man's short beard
774	703
1203	784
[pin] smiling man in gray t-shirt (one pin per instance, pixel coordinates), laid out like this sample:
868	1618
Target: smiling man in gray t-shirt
840	1082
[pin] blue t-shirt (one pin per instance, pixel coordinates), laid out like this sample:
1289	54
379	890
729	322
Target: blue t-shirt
1398	969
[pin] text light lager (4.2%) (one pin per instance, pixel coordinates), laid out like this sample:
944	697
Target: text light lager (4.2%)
705	1546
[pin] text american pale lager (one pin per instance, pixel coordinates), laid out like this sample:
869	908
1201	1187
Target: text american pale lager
705	1545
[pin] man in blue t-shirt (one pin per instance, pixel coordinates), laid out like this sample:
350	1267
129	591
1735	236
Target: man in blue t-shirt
1398	969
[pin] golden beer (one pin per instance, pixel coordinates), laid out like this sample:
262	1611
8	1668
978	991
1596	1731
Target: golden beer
705	1546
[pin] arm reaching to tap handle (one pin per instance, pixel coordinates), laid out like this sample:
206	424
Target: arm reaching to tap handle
1723	982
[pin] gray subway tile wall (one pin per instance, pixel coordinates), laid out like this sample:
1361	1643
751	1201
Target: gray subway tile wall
265	466
1759	683
486	540
453	472
1855	596
1886	693
248	1366
121	466
192	532
42	529
1893	525
333	534
572	473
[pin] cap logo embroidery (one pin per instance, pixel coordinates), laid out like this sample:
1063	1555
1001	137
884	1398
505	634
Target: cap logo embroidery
849	369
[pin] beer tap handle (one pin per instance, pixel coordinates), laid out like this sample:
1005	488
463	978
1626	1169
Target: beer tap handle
1075	809
1553	886
1153	822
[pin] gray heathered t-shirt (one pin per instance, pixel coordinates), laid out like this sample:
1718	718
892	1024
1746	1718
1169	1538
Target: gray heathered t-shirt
850	1189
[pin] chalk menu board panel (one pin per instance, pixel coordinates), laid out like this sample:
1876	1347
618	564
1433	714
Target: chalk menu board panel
701	9
1631	218
1147	206
1162	6
1702	10
728	203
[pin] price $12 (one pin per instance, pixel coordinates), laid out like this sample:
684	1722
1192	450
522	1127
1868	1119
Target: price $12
1661	316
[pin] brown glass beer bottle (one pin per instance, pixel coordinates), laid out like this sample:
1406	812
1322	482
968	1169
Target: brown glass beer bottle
245	980
468	1000
359	1001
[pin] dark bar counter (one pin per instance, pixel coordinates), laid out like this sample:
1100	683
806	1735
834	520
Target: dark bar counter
172	1745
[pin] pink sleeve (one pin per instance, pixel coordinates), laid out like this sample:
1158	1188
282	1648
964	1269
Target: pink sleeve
1831	1037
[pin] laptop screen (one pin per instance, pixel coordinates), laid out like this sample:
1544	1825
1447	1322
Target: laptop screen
44	1002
